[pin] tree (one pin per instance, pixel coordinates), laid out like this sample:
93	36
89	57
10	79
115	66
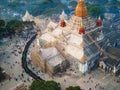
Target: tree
44	85
94	10
29	24
2	75
2	23
73	88
14	26
3	30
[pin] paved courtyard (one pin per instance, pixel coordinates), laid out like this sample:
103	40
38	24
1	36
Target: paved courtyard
11	62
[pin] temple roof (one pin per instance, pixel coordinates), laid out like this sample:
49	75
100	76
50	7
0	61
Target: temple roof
81	10
27	16
75	39
74	51
47	37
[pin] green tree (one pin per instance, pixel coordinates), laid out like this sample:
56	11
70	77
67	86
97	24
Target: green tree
29	24
73	88
44	85
94	10
14	26
3	30
2	23
2	75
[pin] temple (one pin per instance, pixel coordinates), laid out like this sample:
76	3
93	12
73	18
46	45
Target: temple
76	41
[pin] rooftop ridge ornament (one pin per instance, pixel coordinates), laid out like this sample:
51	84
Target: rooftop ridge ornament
81	30
62	24
63	15
81	10
99	22
81	25
99	18
27	16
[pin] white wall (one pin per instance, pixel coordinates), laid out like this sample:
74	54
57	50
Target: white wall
83	67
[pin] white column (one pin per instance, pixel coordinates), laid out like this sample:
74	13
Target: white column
83	67
38	43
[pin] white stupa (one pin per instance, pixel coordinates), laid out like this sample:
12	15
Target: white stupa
63	15
27	17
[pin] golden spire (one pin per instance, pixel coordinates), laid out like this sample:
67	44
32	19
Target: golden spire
81	10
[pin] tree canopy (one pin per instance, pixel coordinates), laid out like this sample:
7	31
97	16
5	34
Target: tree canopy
94	10
44	85
2	75
14	26
73	88
2	23
2	27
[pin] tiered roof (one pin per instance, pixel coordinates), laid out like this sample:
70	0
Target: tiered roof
84	46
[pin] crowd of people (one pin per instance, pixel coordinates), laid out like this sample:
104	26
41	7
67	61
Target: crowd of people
10	60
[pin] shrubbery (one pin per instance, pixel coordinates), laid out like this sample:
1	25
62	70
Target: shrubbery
2	75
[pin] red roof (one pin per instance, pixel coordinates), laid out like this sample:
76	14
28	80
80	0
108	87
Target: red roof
62	24
81	31
99	22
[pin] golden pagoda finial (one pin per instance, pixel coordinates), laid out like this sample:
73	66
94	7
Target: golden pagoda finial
81	10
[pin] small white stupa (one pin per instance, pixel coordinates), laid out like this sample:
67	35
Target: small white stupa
27	17
63	15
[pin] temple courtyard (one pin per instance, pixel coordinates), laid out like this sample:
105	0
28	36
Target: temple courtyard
66	52
96	80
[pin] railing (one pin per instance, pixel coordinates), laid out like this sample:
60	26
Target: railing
24	61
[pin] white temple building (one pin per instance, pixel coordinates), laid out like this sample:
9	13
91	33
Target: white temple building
76	39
